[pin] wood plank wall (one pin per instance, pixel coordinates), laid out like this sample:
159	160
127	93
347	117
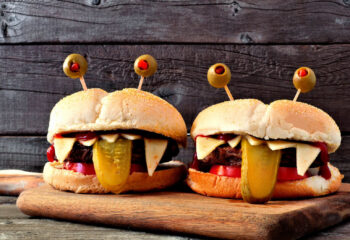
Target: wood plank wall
263	42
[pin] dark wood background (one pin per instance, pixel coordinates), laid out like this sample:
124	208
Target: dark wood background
263	42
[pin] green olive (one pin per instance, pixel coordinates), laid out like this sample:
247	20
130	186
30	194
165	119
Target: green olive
145	65
304	79
219	75
75	66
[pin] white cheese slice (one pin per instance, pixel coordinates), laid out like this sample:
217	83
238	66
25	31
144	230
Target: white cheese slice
254	141
88	143
235	141
111	138
205	145
278	145
306	154
154	150
63	146
130	136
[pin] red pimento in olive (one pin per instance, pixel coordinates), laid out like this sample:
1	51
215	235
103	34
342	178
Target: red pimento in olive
142	64
75	67
219	70
50	153
302	72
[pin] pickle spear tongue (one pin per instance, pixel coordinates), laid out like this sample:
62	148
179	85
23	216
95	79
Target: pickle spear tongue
112	163
259	172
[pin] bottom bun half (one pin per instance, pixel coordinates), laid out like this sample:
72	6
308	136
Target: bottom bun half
226	187
67	180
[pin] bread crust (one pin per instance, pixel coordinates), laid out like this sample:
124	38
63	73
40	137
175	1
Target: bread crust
96	110
242	116
226	187
282	119
302	122
67	180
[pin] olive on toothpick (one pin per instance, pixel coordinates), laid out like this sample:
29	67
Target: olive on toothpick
145	66
219	75
75	66
304	81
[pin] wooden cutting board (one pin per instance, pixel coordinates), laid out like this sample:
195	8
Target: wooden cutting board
13	182
190	213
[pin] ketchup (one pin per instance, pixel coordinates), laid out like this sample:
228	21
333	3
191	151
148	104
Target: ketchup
226	137
195	164
84	168
58	135
85	136
50	153
324	169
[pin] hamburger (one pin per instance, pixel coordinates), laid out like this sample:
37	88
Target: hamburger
114	142
296	136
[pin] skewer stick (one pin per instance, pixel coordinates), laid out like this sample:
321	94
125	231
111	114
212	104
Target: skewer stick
83	84
228	93
141	82
297	95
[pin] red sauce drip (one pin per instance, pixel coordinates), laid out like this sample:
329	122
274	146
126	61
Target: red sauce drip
302	72
142	64
50	153
195	164
58	135
84	168
195	139
324	169
226	137
84	136
219	70
75	67
137	168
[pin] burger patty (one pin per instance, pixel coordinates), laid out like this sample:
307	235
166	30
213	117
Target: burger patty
225	155
83	154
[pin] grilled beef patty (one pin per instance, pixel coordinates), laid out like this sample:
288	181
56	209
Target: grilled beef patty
225	155
83	154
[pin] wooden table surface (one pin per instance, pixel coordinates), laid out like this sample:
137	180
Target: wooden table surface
16	225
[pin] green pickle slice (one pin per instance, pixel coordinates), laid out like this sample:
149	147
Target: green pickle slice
112	163
259	172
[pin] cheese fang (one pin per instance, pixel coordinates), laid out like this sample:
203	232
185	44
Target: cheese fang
111	138
130	136
205	145
306	155
154	150
88	143
63	146
278	145
235	141
254	141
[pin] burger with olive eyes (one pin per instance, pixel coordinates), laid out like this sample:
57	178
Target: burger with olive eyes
114	142
247	149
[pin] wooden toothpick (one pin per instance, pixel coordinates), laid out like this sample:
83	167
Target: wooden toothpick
297	95
141	82
83	84
228	93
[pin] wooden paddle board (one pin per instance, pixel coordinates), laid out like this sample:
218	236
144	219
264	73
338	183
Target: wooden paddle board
13	182
190	213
